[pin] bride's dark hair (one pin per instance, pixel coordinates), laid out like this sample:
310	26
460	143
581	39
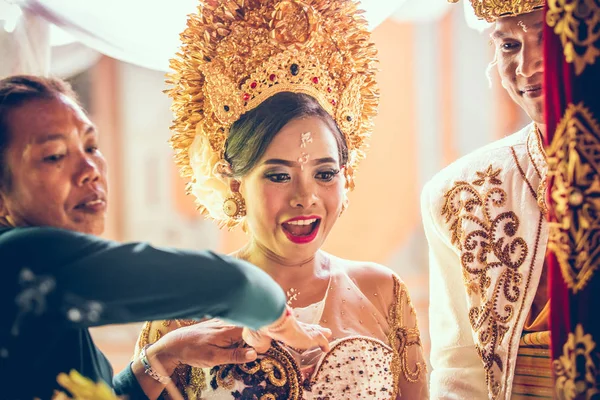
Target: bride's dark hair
250	136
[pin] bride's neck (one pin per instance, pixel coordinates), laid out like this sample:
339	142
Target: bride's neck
283	271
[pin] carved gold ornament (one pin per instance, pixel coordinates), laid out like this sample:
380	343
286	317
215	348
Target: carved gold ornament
574	163
576	369
577	23
491	10
235	54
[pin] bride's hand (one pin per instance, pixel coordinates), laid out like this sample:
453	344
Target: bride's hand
290	331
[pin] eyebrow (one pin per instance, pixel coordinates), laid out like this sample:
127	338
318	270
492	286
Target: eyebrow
59	136
288	163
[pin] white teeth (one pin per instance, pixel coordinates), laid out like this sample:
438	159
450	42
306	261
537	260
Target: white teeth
93	202
302	221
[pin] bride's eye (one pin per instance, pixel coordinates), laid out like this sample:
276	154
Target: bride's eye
278	177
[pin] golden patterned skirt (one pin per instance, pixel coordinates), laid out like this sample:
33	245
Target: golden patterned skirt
533	372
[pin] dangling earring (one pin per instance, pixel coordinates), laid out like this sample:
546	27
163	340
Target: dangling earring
345	204
235	206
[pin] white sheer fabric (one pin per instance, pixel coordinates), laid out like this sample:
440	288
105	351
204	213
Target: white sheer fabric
135	31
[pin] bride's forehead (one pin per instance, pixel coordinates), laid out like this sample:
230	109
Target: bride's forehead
305	133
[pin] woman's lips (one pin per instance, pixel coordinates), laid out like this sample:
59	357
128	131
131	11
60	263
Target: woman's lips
92	204
302	230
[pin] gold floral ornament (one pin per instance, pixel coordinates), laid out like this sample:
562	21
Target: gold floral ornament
491	10
577	369
574	165
577	23
82	388
236	54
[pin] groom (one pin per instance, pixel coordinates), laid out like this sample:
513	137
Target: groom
484	218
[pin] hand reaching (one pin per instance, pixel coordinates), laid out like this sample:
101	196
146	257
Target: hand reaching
203	345
290	331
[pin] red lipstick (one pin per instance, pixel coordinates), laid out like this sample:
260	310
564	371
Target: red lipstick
302	229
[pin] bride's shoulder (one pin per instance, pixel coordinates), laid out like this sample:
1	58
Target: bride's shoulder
371	278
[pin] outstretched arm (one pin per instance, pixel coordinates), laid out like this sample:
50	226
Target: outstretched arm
99	282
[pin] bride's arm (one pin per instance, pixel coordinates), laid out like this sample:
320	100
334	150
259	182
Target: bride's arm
405	338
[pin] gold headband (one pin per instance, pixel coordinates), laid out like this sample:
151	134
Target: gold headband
491	10
235	54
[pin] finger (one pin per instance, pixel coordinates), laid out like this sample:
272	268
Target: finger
238	355
323	342
260	343
326	332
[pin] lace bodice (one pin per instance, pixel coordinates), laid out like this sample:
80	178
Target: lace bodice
375	352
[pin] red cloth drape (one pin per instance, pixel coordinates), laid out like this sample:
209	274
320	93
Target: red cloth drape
572	88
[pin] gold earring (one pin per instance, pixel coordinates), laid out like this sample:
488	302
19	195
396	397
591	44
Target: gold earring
235	206
6	220
345	204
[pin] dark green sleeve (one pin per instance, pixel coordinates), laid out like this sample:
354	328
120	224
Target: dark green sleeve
98	282
125	383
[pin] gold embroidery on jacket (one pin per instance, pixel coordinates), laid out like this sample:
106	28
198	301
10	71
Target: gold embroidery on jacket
576	370
401	337
490	251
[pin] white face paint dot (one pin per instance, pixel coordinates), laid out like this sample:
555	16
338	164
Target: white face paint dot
305	138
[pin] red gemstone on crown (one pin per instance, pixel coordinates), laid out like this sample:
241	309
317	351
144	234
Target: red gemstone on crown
329	90
333	102
246	97
315	80
272	77
253	85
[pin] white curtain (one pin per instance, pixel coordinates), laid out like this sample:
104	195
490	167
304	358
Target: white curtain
141	32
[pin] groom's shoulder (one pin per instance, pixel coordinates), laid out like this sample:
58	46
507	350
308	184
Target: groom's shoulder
493	158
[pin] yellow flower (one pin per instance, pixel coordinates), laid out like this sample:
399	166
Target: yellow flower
82	388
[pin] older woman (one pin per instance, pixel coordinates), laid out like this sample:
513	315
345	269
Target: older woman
274	104
58	280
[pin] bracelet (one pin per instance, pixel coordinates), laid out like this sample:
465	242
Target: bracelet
276	328
148	368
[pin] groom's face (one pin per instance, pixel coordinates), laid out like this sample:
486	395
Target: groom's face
519	51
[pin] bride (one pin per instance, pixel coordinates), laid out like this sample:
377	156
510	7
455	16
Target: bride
274	102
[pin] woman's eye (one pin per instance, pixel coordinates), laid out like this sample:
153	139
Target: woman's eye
54	158
92	149
327	175
278	177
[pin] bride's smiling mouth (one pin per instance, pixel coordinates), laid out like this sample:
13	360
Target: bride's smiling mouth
302	229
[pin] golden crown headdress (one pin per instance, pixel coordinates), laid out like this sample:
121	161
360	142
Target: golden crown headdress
237	53
491	10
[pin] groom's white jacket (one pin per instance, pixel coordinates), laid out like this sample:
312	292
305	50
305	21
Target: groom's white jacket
487	241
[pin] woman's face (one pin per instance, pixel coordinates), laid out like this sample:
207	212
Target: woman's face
58	176
294	194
